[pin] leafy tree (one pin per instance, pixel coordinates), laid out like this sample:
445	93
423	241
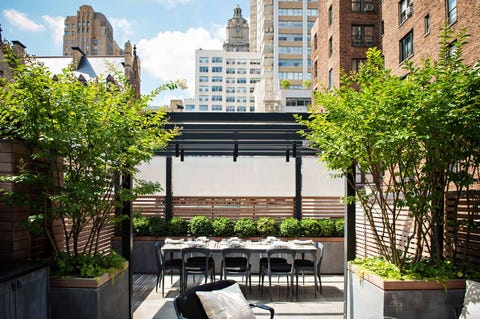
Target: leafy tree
83	138
412	137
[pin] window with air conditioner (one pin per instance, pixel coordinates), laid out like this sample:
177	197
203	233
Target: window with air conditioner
405	8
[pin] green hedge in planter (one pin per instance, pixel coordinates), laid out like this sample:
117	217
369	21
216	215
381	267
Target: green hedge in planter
339	227
290	227
223	226
327	227
267	226
140	225
245	227
200	226
177	227
310	227
158	226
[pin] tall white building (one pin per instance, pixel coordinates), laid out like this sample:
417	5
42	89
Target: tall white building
280	32
225	79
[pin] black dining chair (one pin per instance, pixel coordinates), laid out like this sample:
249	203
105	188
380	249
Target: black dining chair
188	305
278	269
310	263
166	265
197	261
236	261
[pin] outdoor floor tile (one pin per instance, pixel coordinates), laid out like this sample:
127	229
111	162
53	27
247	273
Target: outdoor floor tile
148	304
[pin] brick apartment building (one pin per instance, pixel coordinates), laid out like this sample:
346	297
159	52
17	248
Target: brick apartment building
404	30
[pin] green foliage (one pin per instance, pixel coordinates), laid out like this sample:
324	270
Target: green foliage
245	227
425	269
83	137
200	226
310	227
177	226
223	226
339	227
158	226
290	227
411	136
327	227
140	225
86	266
285	84
267	226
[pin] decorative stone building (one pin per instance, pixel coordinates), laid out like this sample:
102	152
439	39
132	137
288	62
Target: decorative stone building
237	33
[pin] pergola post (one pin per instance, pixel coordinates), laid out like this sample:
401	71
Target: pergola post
127	239
298	185
350	235
168	188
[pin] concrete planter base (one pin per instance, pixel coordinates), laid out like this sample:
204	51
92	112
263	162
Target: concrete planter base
368	296
105	297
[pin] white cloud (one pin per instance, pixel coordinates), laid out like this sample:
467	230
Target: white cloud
171	55
22	21
57	25
123	30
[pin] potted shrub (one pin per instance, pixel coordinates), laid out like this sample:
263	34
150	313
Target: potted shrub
414	139
310	227
267	226
177	226
223	226
290	227
245	227
84	138
200	226
158	226
327	227
339	227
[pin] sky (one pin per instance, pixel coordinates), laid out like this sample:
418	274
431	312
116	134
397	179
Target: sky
166	32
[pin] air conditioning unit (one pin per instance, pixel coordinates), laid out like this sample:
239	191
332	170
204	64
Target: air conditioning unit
409	11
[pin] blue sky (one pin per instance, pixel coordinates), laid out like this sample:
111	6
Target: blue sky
166	32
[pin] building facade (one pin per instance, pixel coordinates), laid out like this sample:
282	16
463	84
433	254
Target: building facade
405	30
412	27
341	36
237	33
91	32
225	81
280	32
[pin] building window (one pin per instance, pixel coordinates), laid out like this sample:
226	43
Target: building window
203	98
363	5
203	59
254	80
290	62
190	107
382	28
241	90
216	59
356	64
230	80
255	62
241	108
230	99
427	24
241	71
230	89
230	61
242	99
452	11
230	108
290	37
405	8
254	71
230	70
217	78
330	15
242	61
252	108
330	79
203	79
304	102
290	76
363	35
216	98
406	46
203	107
204	69
217	88
241	80
290	50
330	47
203	88
217	69
452	49
217	108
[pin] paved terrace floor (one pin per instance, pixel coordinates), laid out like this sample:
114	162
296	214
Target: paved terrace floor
148	304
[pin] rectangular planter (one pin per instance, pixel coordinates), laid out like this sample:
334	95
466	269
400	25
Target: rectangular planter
368	296
105	297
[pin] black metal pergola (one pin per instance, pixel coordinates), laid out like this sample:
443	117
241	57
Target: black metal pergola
236	135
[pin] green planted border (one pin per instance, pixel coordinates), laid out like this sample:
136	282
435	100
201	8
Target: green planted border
243	227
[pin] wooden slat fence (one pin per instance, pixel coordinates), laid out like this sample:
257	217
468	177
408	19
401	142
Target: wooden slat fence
238	207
